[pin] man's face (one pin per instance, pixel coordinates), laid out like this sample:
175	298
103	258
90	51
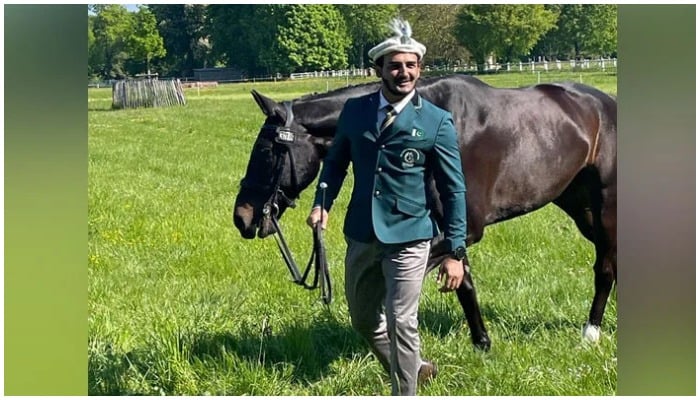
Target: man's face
399	75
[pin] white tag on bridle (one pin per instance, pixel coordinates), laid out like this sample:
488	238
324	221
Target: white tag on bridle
285	135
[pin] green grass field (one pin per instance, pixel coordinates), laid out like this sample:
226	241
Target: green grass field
180	304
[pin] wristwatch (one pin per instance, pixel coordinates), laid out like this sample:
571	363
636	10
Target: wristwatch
459	253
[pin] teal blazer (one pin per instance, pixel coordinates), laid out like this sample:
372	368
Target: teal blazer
389	197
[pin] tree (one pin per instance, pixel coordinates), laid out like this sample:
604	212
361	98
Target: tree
506	31
314	37
145	42
366	26
244	35
184	28
93	55
583	30
433	25
112	27
603	38
90	33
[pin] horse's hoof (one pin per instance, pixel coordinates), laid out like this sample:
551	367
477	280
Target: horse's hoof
483	343
591	332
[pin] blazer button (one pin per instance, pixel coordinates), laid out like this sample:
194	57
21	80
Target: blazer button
382	146
379	169
376	193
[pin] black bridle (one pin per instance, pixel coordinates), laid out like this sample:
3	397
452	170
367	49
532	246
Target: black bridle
283	139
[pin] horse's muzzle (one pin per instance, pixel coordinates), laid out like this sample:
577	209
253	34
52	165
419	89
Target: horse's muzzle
248	222
243	220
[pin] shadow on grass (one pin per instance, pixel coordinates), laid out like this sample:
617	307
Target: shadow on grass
108	373
311	349
528	324
441	323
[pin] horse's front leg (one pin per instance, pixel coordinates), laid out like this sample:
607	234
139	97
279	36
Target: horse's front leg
466	293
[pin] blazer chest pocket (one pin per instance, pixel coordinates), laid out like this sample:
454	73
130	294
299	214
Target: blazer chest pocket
409	207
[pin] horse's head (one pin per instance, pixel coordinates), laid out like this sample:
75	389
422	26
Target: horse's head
285	159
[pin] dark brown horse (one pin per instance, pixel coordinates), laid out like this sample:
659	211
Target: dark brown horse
521	149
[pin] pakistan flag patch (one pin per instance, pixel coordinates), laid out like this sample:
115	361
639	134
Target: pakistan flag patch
417	133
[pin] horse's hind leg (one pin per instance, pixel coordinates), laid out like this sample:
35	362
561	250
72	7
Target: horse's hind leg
466	293
605	268
595	213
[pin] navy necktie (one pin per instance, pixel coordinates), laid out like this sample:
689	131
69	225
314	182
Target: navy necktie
389	119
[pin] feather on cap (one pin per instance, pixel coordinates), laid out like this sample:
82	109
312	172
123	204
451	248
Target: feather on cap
400	42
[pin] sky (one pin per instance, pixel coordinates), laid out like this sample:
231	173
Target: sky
129	7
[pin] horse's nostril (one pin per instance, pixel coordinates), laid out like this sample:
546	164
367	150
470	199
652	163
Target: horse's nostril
243	221
238	222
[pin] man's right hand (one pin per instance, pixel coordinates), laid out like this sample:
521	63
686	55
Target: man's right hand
315	217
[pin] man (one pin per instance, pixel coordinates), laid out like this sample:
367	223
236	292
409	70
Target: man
388	226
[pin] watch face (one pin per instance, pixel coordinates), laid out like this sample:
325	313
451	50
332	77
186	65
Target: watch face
460	253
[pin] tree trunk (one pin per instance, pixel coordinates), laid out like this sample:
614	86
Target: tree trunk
480	63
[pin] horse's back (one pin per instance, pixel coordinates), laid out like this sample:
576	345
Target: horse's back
521	147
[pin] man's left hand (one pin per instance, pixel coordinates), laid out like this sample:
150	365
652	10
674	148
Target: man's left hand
453	272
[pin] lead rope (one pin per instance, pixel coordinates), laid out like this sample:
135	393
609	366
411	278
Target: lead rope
317	259
318	252
320	263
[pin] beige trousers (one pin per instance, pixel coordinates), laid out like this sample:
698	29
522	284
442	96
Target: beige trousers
382	286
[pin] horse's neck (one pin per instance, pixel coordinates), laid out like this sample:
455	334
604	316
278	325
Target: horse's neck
319	114
319	117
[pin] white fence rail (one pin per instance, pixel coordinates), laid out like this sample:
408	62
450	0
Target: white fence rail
328	74
556	65
602	64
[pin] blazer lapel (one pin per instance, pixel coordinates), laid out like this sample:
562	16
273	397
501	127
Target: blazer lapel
370	129
404	121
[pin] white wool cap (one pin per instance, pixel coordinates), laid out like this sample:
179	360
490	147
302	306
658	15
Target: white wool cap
401	42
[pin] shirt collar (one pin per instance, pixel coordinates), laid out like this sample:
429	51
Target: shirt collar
399	105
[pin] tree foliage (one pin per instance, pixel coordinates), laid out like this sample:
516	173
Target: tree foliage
366	25
185	37
506	31
313	38
603	34
584	30
433	25
112	27
265	39
145	42
93	55
121	43
244	35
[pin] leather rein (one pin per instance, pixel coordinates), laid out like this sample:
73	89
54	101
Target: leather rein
283	138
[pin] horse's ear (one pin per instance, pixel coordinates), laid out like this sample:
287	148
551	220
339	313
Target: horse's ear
267	105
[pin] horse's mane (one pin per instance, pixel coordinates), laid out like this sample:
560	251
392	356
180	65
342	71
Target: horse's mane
345	92
364	88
